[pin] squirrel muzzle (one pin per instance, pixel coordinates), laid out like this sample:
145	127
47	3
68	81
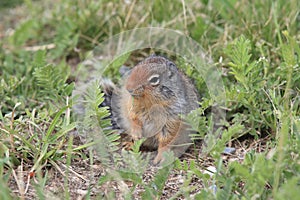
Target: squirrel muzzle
136	92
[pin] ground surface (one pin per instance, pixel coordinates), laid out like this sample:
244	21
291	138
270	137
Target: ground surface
82	178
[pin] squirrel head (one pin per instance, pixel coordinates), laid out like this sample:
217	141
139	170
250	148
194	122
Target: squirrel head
153	78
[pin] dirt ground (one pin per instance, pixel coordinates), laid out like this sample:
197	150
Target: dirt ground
82	178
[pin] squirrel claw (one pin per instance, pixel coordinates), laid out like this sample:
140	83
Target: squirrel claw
136	136
157	160
127	145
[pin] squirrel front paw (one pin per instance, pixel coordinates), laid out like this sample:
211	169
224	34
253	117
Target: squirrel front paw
136	134
159	159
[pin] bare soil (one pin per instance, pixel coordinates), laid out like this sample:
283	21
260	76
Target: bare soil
81	179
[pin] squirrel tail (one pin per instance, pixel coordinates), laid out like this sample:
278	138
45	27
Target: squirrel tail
109	89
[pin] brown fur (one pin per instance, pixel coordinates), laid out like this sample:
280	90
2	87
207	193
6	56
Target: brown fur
152	112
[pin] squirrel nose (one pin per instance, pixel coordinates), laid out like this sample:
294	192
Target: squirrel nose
136	92
130	92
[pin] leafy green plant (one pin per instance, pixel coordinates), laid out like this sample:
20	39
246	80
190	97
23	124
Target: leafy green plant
52	80
248	94
93	122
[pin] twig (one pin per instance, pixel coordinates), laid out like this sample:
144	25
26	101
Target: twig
129	14
19	180
40	47
75	173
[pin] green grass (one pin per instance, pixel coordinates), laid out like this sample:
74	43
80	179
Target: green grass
9	4
254	44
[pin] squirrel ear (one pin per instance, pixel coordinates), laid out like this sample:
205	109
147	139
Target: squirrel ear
172	68
124	70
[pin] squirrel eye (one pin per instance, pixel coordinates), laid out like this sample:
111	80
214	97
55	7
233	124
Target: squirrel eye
154	80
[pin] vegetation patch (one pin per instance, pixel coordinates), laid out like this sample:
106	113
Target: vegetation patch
43	154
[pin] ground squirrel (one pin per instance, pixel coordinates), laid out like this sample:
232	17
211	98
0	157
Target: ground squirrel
150	103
